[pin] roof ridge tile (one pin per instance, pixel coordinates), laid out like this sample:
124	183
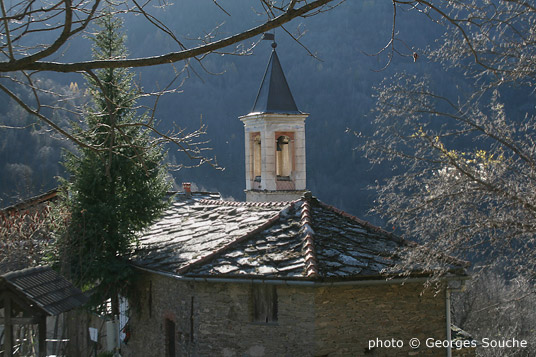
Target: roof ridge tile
245	204
311	263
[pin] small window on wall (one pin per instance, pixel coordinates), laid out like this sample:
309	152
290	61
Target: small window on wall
283	157
264	303
170	337
257	157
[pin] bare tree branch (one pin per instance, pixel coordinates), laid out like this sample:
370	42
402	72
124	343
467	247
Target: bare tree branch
32	62
467	159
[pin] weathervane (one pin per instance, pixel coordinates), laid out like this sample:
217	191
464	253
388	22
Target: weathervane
270	37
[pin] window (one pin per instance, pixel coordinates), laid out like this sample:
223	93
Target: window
170	337
264	303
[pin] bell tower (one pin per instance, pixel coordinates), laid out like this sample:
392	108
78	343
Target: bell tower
275	140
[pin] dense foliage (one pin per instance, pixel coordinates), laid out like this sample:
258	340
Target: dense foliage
112	193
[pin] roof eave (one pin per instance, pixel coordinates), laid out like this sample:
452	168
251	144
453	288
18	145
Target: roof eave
305	281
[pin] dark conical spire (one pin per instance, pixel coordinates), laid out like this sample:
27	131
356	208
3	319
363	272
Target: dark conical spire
274	94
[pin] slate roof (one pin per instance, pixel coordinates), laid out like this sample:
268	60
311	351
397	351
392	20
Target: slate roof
48	196
274	94
183	196
44	288
304	239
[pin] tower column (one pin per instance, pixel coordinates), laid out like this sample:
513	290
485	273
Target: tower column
268	176
249	159
299	166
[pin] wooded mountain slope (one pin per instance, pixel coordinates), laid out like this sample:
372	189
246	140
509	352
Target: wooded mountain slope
336	89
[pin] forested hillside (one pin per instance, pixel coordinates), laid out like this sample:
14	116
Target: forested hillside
336	88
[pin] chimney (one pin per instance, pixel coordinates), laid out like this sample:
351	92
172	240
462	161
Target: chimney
187	188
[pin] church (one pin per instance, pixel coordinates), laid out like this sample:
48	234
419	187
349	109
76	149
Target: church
282	274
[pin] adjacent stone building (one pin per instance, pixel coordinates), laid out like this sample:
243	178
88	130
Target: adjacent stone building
282	274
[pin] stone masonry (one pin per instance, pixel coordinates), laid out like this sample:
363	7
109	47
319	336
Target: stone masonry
215	319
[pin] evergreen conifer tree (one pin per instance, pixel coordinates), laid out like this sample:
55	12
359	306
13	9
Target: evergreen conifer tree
113	192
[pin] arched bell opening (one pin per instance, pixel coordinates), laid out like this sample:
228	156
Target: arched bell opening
257	158
283	158
284	161
255	161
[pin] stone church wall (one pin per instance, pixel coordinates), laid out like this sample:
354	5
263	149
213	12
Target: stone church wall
348	317
217	319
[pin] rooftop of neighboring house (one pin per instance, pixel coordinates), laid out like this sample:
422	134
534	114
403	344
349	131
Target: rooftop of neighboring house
303	239
32	202
43	288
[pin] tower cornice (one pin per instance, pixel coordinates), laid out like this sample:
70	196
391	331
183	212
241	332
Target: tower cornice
273	117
